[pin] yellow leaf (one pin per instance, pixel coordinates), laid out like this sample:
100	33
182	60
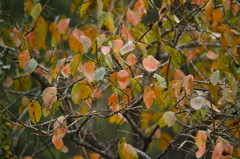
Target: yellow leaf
35	111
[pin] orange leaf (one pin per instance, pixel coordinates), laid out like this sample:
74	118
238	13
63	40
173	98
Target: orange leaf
16	37
200	141
148	95
117	45
127	97
66	70
56	68
163	141
63	25
60	127
55	33
188	84
89	69
113	102
123	78
150	63
24	57
131	60
217	15
132	17
58	143
49	96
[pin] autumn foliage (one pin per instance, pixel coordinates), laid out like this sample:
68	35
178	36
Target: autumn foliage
120	79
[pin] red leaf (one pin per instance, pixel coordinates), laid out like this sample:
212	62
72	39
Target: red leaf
150	63
105	49
89	69
132	17
113	102
63	25
148	95
123	78
131	60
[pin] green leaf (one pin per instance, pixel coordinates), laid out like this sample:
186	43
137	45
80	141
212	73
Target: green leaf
161	80
102	18
175	56
36	10
215	77
136	84
99	73
30	66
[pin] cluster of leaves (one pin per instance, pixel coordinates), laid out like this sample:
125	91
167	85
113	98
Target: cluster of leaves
180	71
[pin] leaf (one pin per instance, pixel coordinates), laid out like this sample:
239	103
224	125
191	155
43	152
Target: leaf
132	17
36	10
142	48
131	60
57	67
200	141
126	151
80	92
109	61
24	57
16	36
106	22
35	111
123	79
129	46
102	18
58	143
66	70
169	118
217	15
117	45
162	82
164	140
63	25
30	66
99	73
89	69
49	96
150	63
127	97
136	84
105	49
100	6
188	84
175	56
85	8
76	59
222	147
113	102
60	126
214	78
197	102
162	122
148	95
86	42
